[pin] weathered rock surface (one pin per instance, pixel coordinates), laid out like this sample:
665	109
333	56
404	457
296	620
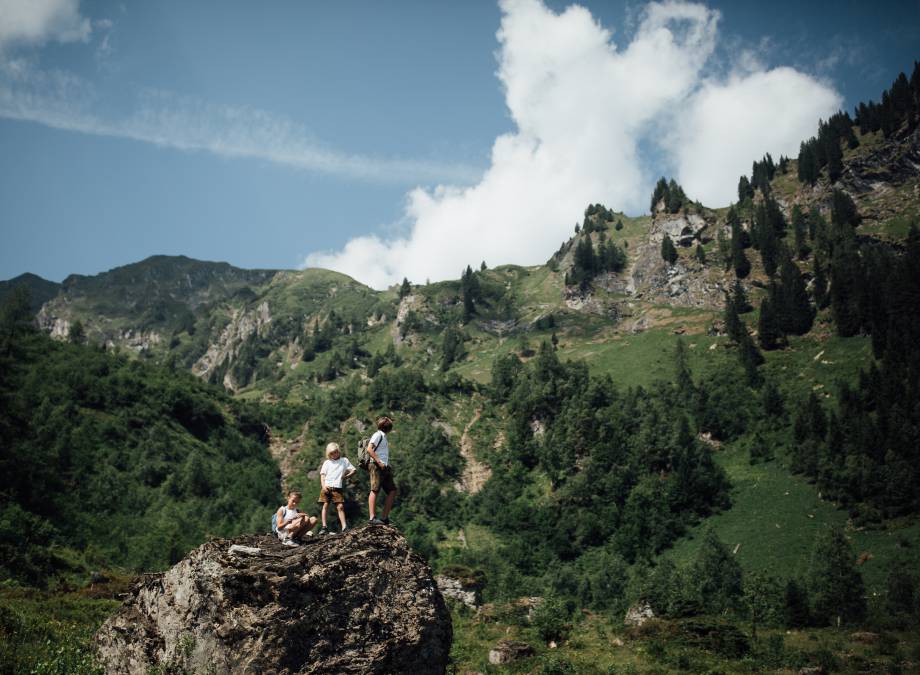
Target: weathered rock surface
506	651
638	614
362	602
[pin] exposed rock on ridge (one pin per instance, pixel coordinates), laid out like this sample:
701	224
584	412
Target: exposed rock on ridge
362	602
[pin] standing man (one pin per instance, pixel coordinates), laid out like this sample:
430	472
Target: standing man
381	473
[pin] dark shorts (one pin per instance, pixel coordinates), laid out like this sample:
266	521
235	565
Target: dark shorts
334	495
381	478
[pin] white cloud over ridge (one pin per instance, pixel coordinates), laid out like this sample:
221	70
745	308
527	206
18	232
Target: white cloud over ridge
583	107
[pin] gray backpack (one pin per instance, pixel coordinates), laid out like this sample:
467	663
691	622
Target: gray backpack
364	457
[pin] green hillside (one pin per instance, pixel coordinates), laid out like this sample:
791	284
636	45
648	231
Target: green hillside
713	413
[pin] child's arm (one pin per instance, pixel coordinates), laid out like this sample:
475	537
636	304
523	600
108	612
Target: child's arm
322	478
349	470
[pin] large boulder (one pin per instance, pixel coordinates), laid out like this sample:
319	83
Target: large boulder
361	602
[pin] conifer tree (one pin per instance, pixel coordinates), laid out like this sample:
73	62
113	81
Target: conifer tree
682	372
716	575
660	192
846	273
819	286
843	209
740	263
769	334
796	314
675	197
745	190
668	252
740	299
405	289
700	254
835	584
799	226
725	249
795	605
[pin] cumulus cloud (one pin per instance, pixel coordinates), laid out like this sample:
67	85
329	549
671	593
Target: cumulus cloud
726	126
35	22
583	107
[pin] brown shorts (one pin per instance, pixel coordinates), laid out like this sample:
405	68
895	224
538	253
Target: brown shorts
337	496
381	478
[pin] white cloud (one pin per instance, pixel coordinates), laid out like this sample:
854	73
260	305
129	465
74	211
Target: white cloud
726	126
64	101
36	22
583	108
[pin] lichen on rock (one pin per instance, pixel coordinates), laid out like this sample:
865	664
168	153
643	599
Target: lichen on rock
361	602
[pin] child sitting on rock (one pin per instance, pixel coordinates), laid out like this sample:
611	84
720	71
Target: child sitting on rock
332	476
292	522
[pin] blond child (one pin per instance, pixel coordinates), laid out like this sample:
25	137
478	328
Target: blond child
292	522
332	476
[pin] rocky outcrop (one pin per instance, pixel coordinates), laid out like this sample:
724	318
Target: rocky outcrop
243	324
638	614
362	602
683	228
507	651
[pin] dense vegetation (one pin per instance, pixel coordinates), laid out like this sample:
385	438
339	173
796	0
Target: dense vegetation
113	461
129	463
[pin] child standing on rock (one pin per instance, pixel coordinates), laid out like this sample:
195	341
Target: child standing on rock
332	476
378	448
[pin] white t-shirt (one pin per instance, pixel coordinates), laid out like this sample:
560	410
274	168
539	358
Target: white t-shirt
334	470
381	447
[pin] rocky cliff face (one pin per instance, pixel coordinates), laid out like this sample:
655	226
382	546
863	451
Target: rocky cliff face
361	602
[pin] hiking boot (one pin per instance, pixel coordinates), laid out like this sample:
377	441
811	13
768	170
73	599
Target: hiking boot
375	521
385	521
323	530
290	542
344	528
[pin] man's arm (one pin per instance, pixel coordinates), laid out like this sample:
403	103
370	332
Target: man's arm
371	451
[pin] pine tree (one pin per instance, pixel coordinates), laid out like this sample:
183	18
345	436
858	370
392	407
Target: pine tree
843	209
799	226
835	584
675	197
682	372
619	225
660	192
734	327
740	299
795	605
819	286
668	252
846	273
405	289
716	575
745	190
769	333
740	262
796	314
700	254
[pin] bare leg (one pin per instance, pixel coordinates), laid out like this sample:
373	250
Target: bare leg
388	505
372	504
325	507
341	509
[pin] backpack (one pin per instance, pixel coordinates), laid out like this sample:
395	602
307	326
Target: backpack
275	523
364	457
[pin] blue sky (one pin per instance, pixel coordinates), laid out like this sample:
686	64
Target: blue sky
295	133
